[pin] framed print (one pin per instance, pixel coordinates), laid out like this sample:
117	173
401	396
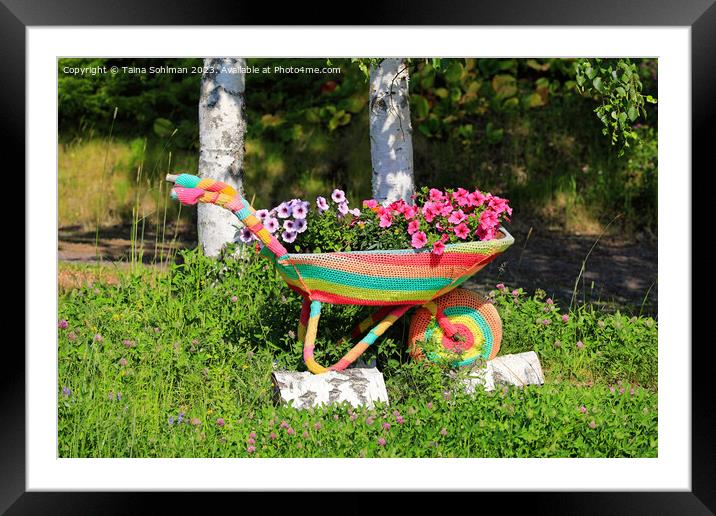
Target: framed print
564	113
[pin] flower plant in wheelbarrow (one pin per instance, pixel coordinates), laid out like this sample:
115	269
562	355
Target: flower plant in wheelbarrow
395	257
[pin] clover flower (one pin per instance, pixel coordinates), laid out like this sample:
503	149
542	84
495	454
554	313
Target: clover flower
381	441
62	324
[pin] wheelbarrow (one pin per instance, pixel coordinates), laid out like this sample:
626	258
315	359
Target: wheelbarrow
450	324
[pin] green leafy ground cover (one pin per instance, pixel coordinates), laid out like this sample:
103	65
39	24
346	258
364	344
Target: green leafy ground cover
177	363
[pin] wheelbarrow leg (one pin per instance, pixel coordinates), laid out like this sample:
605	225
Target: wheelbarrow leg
308	329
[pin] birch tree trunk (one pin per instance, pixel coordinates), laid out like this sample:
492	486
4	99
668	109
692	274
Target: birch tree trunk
222	126
391	133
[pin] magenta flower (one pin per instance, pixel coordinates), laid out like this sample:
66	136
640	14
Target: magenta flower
413	227
284	424
438	248
369	420
565	318
430	405
399	420
500	286
98	338
234	299
546	322
419	239
386	219
251	440
580	344
322	204
382	441
62	324
290	431
273	436
370	203
220	421
515	293
195	421
252	435
386	426
436	195
289	236
271	224
338	196
251	449
456	217
317	426
549	301
583	409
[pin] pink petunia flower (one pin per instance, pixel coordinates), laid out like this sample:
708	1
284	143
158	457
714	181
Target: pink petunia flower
419	239
438	248
386	219
456	217
370	203
413	227
436	195
462	231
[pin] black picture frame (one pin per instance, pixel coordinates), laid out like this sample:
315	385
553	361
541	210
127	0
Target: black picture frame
699	15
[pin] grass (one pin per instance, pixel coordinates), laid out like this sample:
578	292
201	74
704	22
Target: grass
144	345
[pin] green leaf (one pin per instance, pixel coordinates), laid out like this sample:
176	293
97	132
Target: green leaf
597	83
163	127
453	72
421	106
633	113
504	85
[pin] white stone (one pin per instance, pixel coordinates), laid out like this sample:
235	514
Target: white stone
516	369
359	386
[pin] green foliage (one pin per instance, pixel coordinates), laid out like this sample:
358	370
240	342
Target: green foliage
617	84
202	339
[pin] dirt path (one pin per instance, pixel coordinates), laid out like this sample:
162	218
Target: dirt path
623	272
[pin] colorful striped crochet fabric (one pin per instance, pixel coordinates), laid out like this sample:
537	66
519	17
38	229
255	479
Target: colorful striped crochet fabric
399	277
468	315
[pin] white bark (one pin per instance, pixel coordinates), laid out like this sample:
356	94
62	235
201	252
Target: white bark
222	126
391	132
358	386
518	369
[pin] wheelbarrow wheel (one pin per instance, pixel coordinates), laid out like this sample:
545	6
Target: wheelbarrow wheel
457	328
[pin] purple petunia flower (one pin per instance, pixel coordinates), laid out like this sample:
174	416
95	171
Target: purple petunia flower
322	204
246	236
289	236
271	224
300	225
262	214
300	211
338	196
289	225
355	212
343	208
283	210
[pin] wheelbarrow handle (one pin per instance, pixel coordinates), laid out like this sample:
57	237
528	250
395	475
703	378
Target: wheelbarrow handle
190	190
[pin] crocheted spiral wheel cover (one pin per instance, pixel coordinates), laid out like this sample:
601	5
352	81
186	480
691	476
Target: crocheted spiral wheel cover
476	320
